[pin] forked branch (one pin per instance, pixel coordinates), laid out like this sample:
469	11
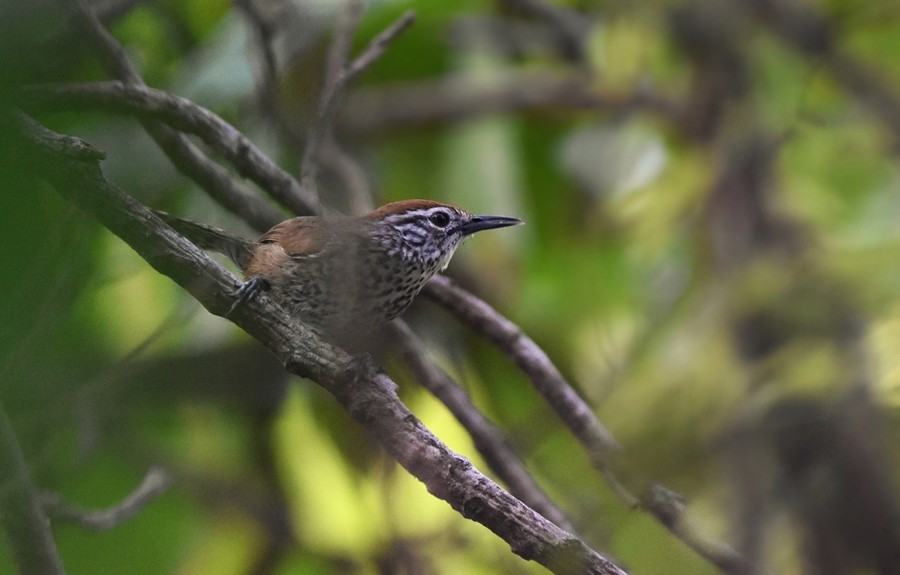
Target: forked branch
365	391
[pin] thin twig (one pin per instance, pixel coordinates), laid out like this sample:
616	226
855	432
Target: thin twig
22	519
333	92
668	508
338	56
268	76
186	156
488	440
577	415
322	146
531	359
184	115
155	482
451	99
339	51
377	47
363	390
112	54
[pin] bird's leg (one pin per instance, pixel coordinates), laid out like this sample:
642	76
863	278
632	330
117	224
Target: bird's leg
248	290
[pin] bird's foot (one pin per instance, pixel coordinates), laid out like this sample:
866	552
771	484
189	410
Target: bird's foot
248	290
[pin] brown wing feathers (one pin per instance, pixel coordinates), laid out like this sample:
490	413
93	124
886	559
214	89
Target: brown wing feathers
296	236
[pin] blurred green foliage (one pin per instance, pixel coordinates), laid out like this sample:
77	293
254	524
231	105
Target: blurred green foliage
106	367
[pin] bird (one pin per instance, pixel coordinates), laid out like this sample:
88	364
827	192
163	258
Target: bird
340	274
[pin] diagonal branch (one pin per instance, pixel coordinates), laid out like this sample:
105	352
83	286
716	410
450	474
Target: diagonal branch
531	359
155	482
185	155
267	75
360	387
578	416
376	48
343	76
182	114
22	519
488	440
447	100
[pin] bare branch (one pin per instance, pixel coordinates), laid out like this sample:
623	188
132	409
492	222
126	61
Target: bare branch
668	508
361	387
578	417
486	321
184	115
186	157
376	48
334	89
320	127
268	76
531	359
22	519
487	438
449	99
263	32
155	482
339	51
321	145
112	54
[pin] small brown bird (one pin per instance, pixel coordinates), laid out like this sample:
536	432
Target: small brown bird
340	274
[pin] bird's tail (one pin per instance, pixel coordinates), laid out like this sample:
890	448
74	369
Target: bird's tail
207	237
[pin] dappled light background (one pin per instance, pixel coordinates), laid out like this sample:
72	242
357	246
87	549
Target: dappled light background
712	196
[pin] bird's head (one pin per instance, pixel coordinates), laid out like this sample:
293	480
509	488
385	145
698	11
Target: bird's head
427	231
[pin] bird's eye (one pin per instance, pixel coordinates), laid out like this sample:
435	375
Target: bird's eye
440	219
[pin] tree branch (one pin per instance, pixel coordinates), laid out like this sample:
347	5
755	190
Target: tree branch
361	387
22	518
451	99
474	312
578	416
265	31
531	359
155	482
182	114
488	440
186	156
343	75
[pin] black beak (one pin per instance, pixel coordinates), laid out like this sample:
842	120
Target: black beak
479	223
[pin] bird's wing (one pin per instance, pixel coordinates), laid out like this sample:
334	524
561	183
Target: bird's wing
298	237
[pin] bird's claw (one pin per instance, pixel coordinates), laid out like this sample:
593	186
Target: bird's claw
248	290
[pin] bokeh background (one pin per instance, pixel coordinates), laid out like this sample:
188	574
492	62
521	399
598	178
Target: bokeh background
712	197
